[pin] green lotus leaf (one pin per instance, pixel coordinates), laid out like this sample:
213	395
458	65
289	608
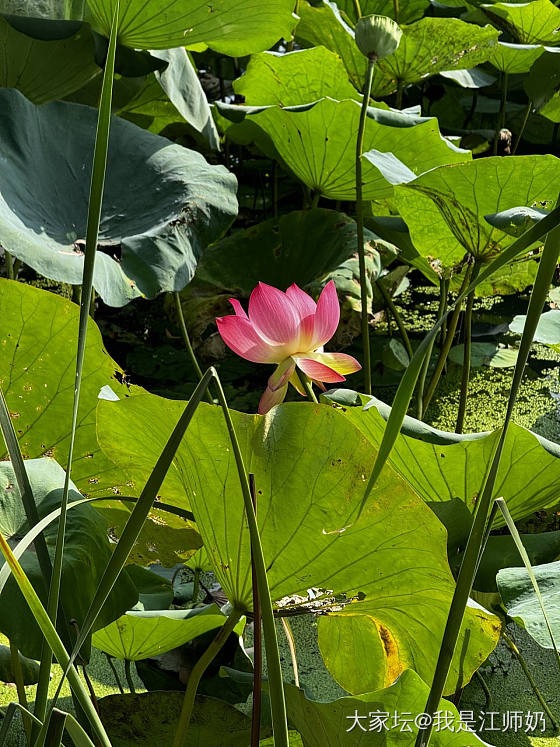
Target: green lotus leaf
485	354
294	78
327	164
551	110
46	70
154	591
548	328
83	564
501	552
334	724
534	22
431	46
153	229
543	81
514	58
442	467
38	333
298	247
147	719
409	11
29	667
473	78
298	499
516	221
143	635
445	209
521	603
232	27
323	26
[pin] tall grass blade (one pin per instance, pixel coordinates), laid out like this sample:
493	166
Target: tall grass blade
500	502
92	233
54	642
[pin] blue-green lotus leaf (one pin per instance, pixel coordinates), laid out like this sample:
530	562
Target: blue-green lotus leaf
163	203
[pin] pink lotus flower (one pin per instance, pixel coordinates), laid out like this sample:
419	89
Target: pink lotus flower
288	329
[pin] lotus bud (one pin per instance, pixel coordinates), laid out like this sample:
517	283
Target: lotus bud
377	36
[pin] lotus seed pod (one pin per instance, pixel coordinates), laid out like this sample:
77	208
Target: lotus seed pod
377	36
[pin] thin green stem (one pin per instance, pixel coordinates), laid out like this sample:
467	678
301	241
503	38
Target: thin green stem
523	125
128	675
185	334
510	643
308	386
196	584
276	685
115	673
396	10
17	672
92	232
398	318
257	641
467	346
357	9
9	262
292	646
443	290
182	733
360	226
485	690
502	119
447	344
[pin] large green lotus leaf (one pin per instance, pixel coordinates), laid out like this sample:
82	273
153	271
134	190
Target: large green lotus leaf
328	163
233	27
294	78
149	719
323	26
543	81
38	333
152	231
409	11
445	208
501	552
38	338
521	603
86	553
298	247
346	722
534	22
514	58
142	635
431	46
29	668
310	466
354	635
46	70
548	328
443	467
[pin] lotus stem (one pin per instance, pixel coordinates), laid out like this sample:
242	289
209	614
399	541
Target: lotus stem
360	226
443	289
510	643
523	125
128	675
292	646
467	345
485	689
502	119
446	347
17	671
196	584
115	673
9	261
396	10
357	9
182	733
398	318
308	386
257	641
